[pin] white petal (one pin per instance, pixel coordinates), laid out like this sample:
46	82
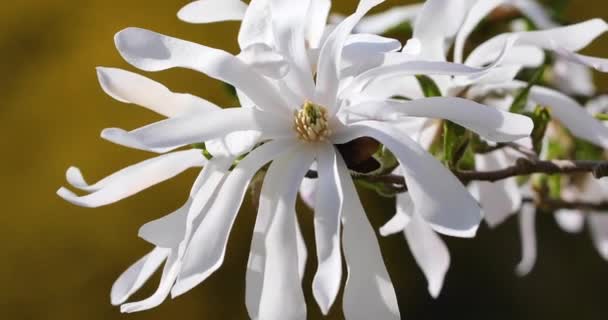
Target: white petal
572	221
475	15
207	248
167	279
571	38
327	222
438	195
257	25
365	51
289	23
330	58
369	292
308	190
168	231
207	11
137	275
151	51
405	209
317	19
132	180
527	229
598	64
572	78
265	60
274	270
566	110
535	12
598	224
130	87
437	21
234	144
491	123
122	137
430	252
212	125
501	199
382	22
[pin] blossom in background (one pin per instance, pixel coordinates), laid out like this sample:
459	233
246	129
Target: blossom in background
294	119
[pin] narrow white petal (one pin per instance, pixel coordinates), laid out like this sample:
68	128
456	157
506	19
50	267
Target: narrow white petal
476	14
317	19
571	38
430	252
382	22
405	209
491	123
122	137
212	125
598	224
572	78
207	11
308	191
438	195
132	88
132	180
265	60
327	222
572	221
274	270
168	231
330	58
501	199
369	292
137	275
598	64
535	12
152	51
168	277
527	229
207	248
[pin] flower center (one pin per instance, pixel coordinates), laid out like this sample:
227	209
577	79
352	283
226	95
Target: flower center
311	123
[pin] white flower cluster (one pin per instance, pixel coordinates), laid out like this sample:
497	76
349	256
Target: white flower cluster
305	88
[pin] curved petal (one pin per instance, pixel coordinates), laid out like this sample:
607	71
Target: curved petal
132	180
136	276
129	87
535	12
168	231
207	11
430	252
571	38
152	51
274	269
437	194
206	250
257	25
308	191
196	128
565	109
167	279
327	222
598	64
330	58
598	225
122	137
499	200
437	21
384	21
265	60
369	292
476	13
572	78
491	123
527	229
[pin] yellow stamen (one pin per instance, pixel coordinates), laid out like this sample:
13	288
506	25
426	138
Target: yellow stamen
311	123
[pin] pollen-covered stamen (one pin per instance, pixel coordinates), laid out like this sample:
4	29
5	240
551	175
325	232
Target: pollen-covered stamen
311	123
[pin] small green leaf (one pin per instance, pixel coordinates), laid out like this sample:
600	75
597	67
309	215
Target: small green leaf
519	104
429	87
380	188
602	116
554	183
455	143
541	117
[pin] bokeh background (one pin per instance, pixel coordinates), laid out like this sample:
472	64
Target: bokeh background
59	261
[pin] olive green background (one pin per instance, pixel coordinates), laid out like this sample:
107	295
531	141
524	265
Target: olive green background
59	261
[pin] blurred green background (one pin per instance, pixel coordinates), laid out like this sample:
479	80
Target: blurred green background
59	261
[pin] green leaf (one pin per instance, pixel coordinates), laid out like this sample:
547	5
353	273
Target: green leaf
602	116
380	188
203	148
519	104
455	142
554	183
429	87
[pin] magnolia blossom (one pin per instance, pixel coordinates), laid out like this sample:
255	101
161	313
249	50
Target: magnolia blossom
296	115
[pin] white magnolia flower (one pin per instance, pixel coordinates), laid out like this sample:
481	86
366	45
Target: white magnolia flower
295	119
